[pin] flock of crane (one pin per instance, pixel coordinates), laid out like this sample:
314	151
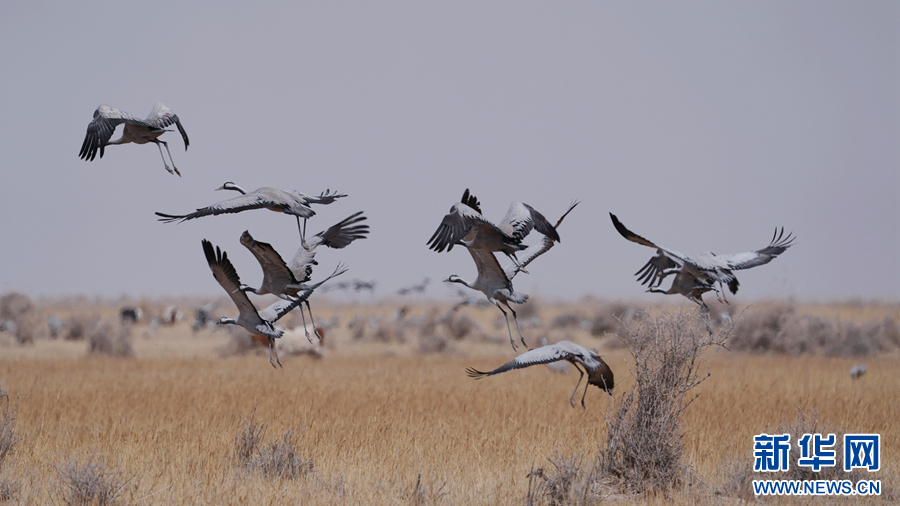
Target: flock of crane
464	225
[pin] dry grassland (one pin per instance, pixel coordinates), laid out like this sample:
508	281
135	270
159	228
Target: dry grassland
376	418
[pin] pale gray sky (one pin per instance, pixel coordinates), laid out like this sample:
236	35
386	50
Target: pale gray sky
702	125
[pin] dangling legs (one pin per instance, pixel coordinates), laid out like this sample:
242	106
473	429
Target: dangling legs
271	348
580	377
315	329
164	143
511	340
517	325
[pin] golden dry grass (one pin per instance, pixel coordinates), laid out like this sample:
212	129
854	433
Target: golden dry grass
372	417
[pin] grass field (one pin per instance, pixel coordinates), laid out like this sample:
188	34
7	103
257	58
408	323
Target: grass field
384	423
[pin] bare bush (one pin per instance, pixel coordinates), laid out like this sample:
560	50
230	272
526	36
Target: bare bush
422	494
16	308
645	438
565	484
79	325
460	326
566	320
8	489
8	438
609	318
278	459
779	329
88	481
104	340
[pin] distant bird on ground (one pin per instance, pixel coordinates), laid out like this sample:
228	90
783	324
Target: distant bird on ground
420	288
287	202
465	225
598	371
280	280
496	282
138	131
258	323
857	371
708	267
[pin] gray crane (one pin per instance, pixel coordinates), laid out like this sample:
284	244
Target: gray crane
465	225
258	323
287	202
707	268
496	282
138	131
289	281
598	371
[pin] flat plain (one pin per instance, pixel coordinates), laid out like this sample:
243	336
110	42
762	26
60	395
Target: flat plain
387	415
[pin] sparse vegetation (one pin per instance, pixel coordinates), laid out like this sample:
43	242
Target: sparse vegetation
112	340
278	459
87	481
779	328
387	424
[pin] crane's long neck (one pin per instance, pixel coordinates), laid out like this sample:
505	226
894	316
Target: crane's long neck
231	186
456	279
225	320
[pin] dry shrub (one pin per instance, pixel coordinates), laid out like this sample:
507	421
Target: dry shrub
422	494
278	459
89	481
460	326
8	437
779	329
609	318
566	320
8	489
645	436
565	484
79	325
17	308
104	340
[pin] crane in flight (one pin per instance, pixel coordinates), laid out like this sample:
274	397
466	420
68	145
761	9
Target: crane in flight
288	281
706	268
496	282
598	371
258	323
138	131
287	202
465	225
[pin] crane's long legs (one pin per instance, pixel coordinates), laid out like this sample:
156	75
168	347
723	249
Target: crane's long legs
705	310
166	144
315	329
303	318
511	340
572	399
515	319
271	348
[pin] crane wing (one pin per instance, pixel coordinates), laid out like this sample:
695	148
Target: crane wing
101	128
455	225
234	205
227	277
161	117
511	269
324	198
777	246
336	236
631	236
654	268
489	270
542	355
305	291
275	271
